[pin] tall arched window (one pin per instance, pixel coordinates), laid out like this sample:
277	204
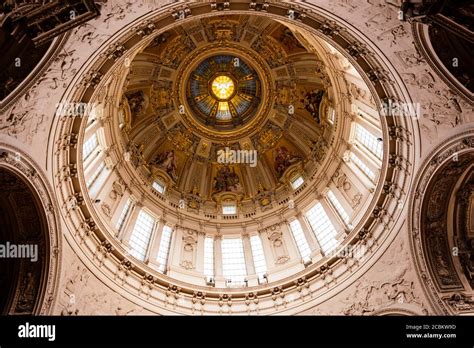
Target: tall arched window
368	141
322	227
89	146
258	256
300	240
209	257
141	235
164	249
233	261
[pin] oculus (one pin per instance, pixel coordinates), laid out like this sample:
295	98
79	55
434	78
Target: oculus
223	87
224	92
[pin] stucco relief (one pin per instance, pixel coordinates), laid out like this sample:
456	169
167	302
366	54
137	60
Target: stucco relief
30	115
188	252
440	110
81	293
390	283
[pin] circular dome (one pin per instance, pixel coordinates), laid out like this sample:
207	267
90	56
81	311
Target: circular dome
274	95
223	91
190	207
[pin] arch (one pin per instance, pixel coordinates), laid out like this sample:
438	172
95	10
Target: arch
436	250
38	66
439	59
29	237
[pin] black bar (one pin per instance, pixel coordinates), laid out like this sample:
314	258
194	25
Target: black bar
136	331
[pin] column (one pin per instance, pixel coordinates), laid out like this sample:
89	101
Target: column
218	256
343	200
128	228
154	245
252	277
219	278
356	178
362	177
91	166
309	235
119	208
333	216
174	252
200	252
248	254
105	185
290	242
267	250
92	128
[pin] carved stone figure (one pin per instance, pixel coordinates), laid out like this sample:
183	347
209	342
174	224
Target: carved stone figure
263	197
290	42
135	154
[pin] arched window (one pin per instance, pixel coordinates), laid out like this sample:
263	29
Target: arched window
368	141
89	146
300	240
164	249
258	256
297	182
331	115
229	208
322	228
141	235
338	207
233	261
158	186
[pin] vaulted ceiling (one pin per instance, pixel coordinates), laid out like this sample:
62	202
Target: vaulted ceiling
279	89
